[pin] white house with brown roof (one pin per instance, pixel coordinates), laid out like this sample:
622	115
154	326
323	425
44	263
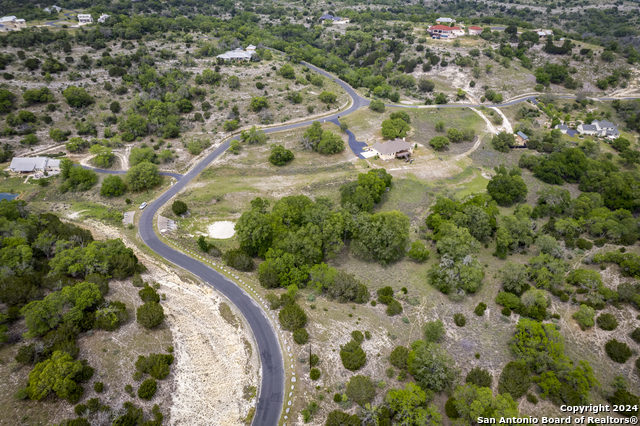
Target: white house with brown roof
475	30
392	149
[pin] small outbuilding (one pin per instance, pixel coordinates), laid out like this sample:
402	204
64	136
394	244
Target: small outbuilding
521	139
397	148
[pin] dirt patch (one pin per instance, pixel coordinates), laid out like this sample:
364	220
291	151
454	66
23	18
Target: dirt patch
221	230
214	359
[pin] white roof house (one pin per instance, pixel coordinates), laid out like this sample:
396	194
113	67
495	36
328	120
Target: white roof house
85	18
237	55
445	20
33	164
251	47
543	33
52	8
103	18
13	23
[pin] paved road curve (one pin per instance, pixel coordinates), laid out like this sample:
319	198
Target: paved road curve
272	390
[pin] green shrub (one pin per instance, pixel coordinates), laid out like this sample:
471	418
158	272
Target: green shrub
314	374
393	308
361	390
80	409
399	356
624	398
149	294
301	336
433	331
292	317
584	316
98	387
357	336
459	320
635	335
506	311
147	389
280	155
314	360
450	409
238	259
479	377
179	207
618	351
532	398
508	300
367	335
337	398
515	379
583	244
418	251
479	310
352	356
156	365
27	355
607	321
274	301
150	315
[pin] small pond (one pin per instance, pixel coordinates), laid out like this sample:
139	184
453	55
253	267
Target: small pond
7	196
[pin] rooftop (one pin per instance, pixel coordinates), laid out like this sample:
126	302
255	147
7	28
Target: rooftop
29	164
391	147
523	136
475	28
443	28
603	123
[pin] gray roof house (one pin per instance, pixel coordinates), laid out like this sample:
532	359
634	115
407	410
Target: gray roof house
392	149
33	164
237	55
562	127
600	128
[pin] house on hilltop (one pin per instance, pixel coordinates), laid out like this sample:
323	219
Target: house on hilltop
442	20
238	54
334	19
602	128
12	23
50	9
397	148
85	19
475	30
103	18
443	31
34	164
543	33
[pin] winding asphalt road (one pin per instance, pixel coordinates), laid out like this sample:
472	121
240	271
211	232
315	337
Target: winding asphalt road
272	389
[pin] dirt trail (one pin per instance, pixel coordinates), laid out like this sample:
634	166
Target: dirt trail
216	358
505	123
